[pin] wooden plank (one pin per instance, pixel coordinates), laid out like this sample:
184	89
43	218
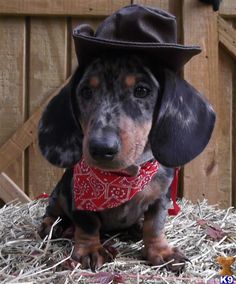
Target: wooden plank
201	176
10	191
48	61
59	7
163	4
12	32
228	8
227	36
225	141
24	136
234	136
175	7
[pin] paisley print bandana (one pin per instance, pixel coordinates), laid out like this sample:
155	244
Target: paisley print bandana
96	190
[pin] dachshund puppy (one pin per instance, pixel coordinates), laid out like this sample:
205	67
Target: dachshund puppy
118	118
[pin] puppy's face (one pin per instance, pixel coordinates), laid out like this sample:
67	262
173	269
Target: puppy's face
116	100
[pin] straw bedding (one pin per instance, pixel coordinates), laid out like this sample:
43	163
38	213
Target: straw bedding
202	231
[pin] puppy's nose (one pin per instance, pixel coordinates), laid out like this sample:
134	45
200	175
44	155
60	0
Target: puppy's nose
104	147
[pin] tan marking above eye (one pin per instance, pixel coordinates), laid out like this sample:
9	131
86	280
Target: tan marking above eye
130	80
94	81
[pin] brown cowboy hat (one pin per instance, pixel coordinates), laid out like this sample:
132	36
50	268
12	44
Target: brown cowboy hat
147	31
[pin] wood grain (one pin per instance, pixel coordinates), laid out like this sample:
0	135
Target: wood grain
228	8
201	176
225	122
24	136
59	7
10	191
175	8
163	4
12	32
227	109
47	72
233	159
227	36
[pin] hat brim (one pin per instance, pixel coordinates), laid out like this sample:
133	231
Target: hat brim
173	56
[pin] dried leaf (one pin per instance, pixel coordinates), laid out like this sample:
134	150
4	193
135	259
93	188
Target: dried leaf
214	233
108	277
201	222
212	230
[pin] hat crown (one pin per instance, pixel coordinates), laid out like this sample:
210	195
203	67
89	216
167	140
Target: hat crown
145	31
139	24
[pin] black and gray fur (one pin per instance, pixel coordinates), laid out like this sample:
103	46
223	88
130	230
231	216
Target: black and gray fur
118	114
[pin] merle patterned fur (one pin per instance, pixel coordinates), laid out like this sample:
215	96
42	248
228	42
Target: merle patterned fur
119	113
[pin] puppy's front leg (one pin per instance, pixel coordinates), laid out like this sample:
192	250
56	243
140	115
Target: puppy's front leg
156	247
57	207
88	249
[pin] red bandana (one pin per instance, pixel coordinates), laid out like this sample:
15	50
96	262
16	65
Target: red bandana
96	190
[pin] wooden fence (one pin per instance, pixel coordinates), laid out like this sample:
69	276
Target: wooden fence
37	55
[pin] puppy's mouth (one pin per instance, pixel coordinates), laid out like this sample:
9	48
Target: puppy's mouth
115	166
108	164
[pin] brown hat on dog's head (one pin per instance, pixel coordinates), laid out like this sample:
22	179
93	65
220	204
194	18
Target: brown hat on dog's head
150	32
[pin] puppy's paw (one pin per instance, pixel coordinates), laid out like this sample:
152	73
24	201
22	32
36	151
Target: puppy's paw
46	226
92	258
159	256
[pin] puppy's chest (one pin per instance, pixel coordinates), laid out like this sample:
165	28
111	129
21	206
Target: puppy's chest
130	212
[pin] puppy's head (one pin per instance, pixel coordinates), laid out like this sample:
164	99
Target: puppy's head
118	109
115	100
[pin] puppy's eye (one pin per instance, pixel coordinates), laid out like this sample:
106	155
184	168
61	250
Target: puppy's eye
141	92
86	93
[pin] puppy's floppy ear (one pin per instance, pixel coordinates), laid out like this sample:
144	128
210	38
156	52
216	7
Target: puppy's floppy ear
183	125
60	135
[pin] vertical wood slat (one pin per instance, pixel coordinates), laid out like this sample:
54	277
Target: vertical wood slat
26	95
234	125
201	177
226	67
175	7
234	137
12	32
48	59
227	76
